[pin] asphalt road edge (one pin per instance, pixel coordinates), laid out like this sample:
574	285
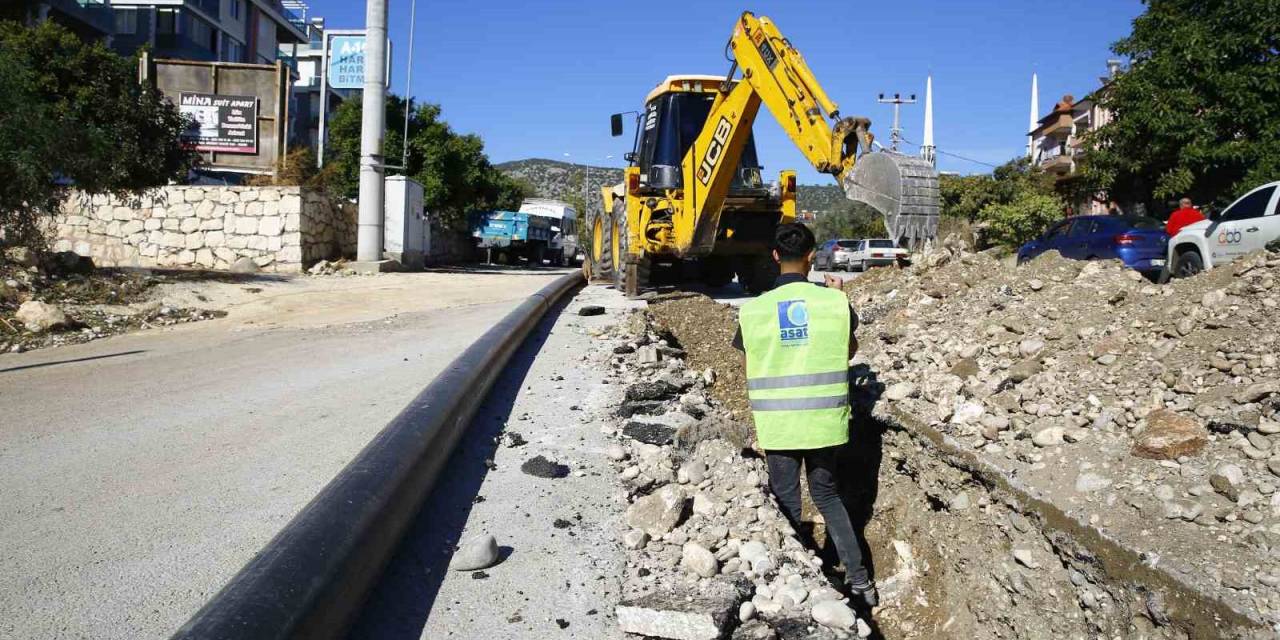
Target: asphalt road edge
311	579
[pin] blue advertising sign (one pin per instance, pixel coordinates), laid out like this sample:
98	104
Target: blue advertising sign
346	62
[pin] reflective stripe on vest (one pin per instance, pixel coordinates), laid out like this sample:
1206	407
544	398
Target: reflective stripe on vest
798	404
797	344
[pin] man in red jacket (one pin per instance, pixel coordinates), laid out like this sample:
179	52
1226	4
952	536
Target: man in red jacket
1185	215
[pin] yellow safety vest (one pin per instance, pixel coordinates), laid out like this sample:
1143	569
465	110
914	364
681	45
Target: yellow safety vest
797	342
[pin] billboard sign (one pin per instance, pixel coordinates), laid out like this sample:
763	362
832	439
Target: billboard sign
223	123
346	61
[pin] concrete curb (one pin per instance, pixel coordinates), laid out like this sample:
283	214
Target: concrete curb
311	579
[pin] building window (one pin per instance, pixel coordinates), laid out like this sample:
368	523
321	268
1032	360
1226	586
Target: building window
236	9
126	21
166	21
201	32
233	51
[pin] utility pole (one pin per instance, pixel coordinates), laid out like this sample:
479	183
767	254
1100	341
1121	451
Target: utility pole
372	127
897	101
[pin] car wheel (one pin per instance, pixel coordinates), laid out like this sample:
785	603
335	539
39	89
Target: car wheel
862	266
1189	264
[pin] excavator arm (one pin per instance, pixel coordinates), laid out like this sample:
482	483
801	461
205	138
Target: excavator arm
775	74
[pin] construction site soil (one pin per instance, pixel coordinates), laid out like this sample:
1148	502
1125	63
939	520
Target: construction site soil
1062	449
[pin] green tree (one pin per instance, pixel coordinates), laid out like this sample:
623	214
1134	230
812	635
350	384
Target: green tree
1022	218
456	175
966	196
1196	114
72	114
855	220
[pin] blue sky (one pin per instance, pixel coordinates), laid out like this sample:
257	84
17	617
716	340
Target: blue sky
540	78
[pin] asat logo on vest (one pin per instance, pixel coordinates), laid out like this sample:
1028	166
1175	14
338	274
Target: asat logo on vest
793	322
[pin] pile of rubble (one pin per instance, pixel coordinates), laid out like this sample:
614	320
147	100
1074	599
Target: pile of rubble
709	552
331	268
1146	414
62	299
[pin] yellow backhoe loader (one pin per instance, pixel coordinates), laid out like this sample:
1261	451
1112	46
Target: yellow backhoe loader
692	200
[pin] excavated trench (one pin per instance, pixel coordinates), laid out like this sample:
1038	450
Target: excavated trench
959	549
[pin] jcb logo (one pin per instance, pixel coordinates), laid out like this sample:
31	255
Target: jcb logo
1228	237
716	149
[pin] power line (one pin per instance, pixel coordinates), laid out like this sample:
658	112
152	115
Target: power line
956	155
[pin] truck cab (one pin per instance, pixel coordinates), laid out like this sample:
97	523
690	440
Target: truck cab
563	247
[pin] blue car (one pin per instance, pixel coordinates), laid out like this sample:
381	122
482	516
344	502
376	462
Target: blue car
1137	241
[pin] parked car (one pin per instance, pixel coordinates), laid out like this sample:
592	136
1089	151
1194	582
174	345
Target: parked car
1137	241
1248	224
834	254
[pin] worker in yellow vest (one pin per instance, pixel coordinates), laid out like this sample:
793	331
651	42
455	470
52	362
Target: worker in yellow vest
798	339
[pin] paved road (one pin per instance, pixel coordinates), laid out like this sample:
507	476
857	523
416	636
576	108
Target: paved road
141	472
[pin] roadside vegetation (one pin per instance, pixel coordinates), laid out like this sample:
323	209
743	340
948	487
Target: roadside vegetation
73	113
456	175
853	220
1196	113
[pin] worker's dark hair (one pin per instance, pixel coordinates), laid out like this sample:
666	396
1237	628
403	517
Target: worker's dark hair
793	241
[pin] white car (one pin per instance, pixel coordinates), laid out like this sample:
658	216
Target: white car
876	252
1249	224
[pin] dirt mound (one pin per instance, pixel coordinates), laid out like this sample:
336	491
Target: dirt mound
96	303
705	330
1066	379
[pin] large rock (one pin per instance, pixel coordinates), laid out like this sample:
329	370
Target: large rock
244	265
704	614
658	513
478	552
649	433
21	256
659	390
1257	391
39	316
1169	435
834	614
1024	369
899	391
697	559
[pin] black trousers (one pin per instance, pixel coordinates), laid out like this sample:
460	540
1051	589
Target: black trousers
784	481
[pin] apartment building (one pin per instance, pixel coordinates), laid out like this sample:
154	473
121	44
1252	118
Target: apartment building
89	19
250	31
307	61
1057	140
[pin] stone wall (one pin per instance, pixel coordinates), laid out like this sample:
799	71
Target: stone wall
282	229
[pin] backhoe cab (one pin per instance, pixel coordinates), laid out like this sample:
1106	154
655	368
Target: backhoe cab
693	203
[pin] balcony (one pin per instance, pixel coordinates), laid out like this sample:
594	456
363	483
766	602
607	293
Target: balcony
1058	159
1057	127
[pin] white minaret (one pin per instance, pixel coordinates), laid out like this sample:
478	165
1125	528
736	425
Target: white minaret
927	150
1035	114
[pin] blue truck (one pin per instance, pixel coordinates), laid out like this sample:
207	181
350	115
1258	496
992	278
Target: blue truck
511	235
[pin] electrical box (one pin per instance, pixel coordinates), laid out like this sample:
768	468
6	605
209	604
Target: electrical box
407	235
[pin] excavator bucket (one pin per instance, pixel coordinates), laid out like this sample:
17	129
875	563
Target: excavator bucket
904	189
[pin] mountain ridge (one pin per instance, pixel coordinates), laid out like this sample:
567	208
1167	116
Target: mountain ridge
565	181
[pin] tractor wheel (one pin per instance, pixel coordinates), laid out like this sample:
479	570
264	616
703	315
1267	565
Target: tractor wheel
631	273
757	274
717	271
598	261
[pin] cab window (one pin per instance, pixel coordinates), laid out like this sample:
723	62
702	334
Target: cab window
1253	205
